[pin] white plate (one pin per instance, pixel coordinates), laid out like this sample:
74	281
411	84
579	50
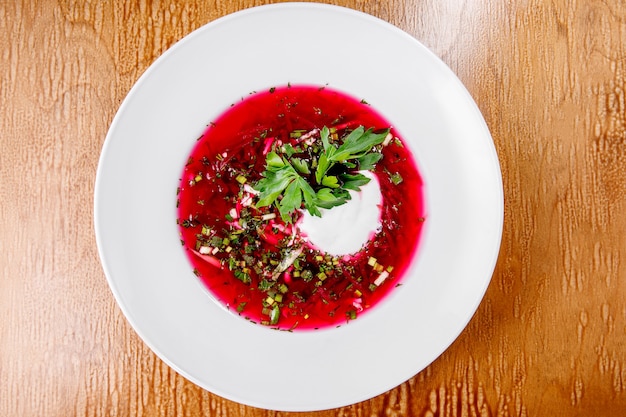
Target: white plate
195	81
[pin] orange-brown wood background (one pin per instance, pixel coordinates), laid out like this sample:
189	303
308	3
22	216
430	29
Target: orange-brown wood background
549	339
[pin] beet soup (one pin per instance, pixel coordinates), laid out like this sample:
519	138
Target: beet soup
269	166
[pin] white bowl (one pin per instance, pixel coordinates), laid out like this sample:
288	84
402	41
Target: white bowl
157	126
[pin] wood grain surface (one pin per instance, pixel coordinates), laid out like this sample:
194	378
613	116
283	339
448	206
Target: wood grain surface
549	339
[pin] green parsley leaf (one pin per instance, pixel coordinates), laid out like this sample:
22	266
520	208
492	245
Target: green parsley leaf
300	165
320	177
291	201
289	150
323	165
358	143
330	181
368	161
327	198
275	182
273	160
353	181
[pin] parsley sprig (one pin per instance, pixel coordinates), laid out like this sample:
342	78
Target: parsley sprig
320	177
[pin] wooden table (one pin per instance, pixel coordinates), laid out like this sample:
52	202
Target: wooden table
550	336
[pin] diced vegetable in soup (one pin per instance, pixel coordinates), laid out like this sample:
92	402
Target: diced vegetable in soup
300	208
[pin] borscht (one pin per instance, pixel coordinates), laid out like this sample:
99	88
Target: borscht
300	207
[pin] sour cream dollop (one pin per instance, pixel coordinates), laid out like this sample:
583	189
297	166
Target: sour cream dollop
345	229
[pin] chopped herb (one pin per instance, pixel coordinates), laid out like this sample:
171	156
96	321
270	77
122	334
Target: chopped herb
188	223
265	285
242	276
289	182
275	314
396	178
307	275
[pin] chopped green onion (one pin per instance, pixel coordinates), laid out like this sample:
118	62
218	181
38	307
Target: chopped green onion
396	178
275	315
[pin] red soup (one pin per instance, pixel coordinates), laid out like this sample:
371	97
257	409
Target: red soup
250	178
